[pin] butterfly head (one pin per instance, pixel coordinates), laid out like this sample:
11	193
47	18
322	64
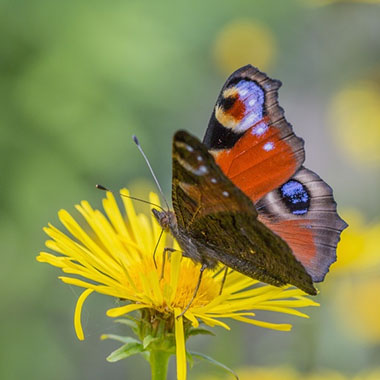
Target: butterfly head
166	219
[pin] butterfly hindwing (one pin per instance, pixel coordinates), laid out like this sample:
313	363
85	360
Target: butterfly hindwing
303	212
249	136
220	221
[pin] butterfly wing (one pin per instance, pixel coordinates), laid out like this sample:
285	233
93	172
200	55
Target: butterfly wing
303	212
221	221
249	136
257	149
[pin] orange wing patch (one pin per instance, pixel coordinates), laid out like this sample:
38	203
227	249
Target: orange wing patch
299	238
260	161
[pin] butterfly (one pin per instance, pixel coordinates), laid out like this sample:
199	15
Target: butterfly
242	197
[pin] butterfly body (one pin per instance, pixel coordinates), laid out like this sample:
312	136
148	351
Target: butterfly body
242	197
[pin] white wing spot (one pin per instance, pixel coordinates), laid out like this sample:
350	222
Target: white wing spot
259	130
268	146
214	180
243	92
250	118
199	158
202	170
252	102
226	194
189	148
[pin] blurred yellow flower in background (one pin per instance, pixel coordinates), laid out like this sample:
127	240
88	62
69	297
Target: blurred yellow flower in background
281	373
359	248
286	373
358	307
355	120
113	255
323	375
373	374
261	373
356	294
242	42
328	2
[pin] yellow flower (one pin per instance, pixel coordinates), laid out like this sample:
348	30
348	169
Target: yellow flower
373	374
359	249
113	256
355	117
262	373
356	300
242	42
286	373
361	318
283	373
329	2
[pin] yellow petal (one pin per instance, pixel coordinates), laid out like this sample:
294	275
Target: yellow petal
174	273
273	326
76	282
114	214
213	322
180	345
118	311
132	217
285	310
78	312
190	316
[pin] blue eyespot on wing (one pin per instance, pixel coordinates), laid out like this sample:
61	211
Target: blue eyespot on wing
296	197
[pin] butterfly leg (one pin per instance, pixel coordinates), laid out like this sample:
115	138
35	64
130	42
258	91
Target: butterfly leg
164	260
223	280
155	248
203	267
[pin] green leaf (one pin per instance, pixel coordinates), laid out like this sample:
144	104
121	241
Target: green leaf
214	362
194	332
125	351
122	339
148	340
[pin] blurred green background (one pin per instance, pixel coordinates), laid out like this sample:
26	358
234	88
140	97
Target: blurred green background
78	78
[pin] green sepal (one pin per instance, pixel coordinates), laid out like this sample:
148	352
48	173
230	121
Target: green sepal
193	332
214	362
145	355
125	351
148	340
122	339
189	359
128	322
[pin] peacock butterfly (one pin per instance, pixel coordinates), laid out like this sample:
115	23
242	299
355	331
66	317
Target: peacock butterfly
242	197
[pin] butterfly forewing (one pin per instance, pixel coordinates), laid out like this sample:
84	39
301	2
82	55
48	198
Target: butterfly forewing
249	136
221	221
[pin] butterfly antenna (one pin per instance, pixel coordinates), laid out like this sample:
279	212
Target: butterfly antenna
101	187
150	168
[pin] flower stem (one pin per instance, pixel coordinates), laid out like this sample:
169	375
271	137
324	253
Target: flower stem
159	361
